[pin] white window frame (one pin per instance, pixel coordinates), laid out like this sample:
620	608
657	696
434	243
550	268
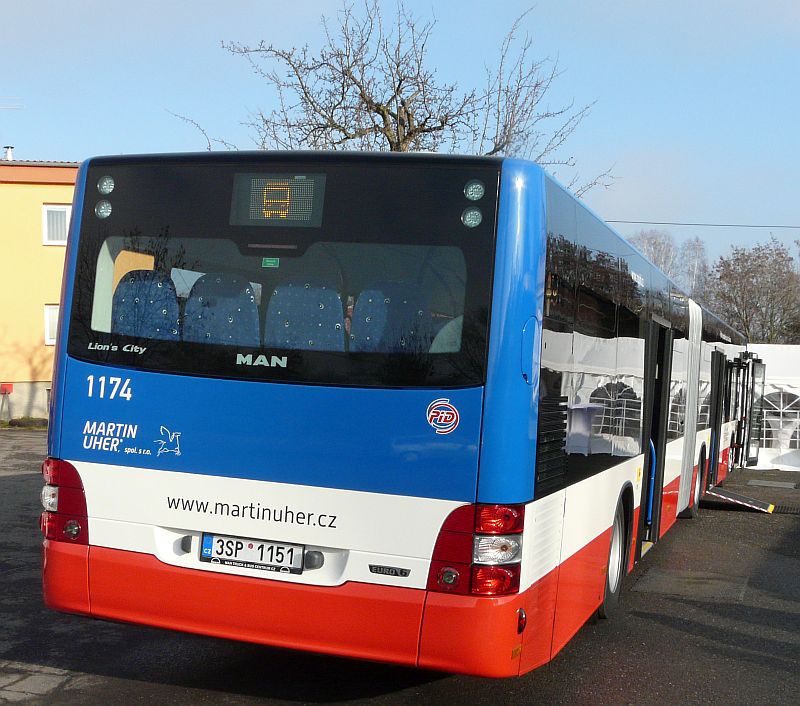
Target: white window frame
50	310
55	207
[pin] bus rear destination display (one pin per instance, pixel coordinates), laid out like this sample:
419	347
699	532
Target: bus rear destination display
283	200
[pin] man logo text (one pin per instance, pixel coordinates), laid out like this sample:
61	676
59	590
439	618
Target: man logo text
273	361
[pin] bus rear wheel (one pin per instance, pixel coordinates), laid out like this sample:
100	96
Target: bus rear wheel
616	564
693	510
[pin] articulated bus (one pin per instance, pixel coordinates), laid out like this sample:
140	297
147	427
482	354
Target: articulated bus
420	409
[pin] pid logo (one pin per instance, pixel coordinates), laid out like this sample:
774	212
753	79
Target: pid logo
442	416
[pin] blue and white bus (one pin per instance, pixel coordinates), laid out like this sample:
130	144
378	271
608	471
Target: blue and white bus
421	409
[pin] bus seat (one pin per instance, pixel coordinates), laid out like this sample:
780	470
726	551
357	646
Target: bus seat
391	317
222	309
448	338
145	305
305	316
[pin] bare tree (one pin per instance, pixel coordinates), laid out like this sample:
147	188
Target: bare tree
660	248
210	141
686	264
370	87
509	116
693	271
758	291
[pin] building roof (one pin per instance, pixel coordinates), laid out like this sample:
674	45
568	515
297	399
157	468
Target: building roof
37	172
36	163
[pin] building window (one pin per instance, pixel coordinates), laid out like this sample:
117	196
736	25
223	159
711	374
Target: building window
50	324
55	224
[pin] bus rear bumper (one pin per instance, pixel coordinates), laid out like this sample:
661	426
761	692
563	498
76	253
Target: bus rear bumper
384	623
65	576
354	620
472	635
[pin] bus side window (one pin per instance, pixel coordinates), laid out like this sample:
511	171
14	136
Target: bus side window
559	296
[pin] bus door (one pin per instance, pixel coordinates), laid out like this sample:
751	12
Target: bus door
755	418
716	413
658	365
742	389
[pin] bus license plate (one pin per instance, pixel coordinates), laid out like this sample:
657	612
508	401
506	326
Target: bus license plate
252	553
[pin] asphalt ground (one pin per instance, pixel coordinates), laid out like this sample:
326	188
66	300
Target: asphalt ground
710	616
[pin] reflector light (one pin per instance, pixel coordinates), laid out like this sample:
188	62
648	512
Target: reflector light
495	580
496	549
62	528
72	529
448	576
499	519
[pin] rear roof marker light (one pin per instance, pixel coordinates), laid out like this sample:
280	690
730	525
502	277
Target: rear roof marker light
471	217
474	190
105	185
102	209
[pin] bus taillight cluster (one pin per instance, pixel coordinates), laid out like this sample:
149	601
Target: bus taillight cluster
64	518
478	551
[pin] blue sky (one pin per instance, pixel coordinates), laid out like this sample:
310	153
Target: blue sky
698	101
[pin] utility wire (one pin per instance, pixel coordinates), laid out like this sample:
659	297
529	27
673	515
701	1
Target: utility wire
707	225
11	104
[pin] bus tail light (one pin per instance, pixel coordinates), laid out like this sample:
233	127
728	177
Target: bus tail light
478	551
496	549
499	519
64	518
495	580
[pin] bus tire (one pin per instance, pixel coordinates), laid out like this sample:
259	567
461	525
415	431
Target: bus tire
693	510
615	569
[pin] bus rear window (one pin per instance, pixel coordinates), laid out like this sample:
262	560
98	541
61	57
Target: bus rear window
336	297
350	303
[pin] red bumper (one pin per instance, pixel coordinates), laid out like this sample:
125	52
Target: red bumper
385	623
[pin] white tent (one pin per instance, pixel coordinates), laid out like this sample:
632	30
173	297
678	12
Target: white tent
780	432
594	370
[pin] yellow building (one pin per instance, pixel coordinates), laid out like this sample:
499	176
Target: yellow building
35	209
